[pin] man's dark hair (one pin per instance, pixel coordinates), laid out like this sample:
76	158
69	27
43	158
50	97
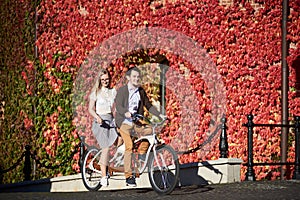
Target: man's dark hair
128	73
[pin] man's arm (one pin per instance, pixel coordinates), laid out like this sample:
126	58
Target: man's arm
148	104
120	101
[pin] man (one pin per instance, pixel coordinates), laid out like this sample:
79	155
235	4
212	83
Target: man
130	99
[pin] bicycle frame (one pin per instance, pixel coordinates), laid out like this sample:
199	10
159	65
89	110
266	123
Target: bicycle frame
91	164
153	141
151	138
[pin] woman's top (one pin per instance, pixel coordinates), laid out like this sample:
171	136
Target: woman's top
104	100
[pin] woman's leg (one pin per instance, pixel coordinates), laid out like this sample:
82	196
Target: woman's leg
104	161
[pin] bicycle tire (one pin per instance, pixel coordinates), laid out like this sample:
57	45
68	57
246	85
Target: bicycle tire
163	172
90	177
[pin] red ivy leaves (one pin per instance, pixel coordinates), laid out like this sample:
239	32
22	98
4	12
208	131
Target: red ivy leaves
243	42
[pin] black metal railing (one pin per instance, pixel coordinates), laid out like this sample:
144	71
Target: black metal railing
223	143
250	175
29	156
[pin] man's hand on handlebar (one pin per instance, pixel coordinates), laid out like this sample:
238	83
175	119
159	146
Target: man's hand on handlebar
128	115
163	117
140	119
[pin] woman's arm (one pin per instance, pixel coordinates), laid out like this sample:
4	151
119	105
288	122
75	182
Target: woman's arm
92	110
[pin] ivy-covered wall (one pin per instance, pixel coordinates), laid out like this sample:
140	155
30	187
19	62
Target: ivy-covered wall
16	44
243	39
32	111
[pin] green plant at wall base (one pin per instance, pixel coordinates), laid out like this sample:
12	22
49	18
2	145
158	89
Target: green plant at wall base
16	46
15	136
52	114
27	106
53	125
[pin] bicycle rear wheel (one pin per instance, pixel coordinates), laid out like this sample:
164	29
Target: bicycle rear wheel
91	176
163	169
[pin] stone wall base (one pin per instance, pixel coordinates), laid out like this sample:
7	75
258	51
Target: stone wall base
218	171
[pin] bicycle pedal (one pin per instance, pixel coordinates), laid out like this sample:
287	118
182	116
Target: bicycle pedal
136	174
110	171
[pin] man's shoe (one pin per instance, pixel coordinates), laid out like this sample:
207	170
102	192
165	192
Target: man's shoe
104	181
130	182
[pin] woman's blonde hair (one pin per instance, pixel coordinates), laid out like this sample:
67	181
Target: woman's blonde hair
98	84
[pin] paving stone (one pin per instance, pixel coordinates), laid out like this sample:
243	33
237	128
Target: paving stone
287	189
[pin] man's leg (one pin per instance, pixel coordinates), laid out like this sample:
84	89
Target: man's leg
125	134
143	130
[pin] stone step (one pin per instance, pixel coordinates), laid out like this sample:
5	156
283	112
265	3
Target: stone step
223	170
116	182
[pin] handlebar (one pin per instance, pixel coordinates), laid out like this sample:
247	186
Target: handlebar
140	119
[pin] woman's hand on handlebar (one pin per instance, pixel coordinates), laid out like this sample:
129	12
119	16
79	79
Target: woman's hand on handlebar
99	120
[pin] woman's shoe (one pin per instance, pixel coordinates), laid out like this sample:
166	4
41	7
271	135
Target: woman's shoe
104	181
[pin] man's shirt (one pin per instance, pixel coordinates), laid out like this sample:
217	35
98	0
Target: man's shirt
133	102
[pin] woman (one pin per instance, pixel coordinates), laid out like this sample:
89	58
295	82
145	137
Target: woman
100	107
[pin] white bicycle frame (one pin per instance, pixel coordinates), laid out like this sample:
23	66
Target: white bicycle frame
152	139
91	164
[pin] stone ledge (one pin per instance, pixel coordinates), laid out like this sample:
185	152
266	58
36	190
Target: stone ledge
223	170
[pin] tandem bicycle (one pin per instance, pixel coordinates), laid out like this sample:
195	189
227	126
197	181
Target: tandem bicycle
161	160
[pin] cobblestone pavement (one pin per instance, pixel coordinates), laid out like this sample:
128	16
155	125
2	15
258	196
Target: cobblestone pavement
288	190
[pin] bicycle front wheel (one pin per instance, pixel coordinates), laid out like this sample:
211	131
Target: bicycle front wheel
91	176
163	170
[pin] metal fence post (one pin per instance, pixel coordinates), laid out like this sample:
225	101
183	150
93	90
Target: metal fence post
296	174
223	145
81	153
1	175
250	176
27	165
